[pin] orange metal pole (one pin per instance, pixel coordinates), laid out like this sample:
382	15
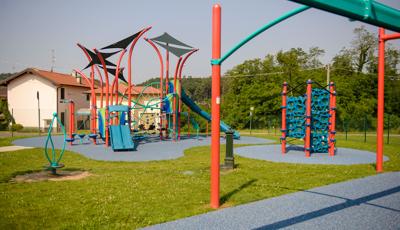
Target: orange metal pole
161	81
381	93
333	124
391	36
101	86
89	82
284	105
93	94
215	105
307	144
331	149
106	119
175	109
130	72
380	112
72	119
93	107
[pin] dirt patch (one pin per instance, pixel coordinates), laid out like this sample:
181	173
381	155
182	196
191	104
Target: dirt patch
47	176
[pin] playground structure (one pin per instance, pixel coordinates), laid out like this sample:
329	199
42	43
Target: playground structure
167	107
311	117
369	11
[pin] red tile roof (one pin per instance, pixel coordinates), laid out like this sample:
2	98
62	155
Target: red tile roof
58	79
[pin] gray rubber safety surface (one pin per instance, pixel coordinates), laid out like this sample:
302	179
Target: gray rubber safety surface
295	154
150	149
368	203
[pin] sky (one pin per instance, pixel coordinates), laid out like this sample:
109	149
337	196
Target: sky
32	29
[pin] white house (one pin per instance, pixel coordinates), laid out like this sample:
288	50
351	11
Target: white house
34	95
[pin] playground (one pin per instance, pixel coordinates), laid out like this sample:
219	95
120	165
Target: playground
145	160
139	194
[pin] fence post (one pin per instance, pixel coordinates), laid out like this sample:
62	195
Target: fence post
38	104
11	123
388	132
365	128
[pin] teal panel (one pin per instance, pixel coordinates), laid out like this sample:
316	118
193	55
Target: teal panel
368	11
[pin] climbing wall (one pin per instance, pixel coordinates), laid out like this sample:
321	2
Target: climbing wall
295	114
319	120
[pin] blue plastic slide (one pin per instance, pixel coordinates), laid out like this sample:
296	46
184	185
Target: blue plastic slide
121	138
195	108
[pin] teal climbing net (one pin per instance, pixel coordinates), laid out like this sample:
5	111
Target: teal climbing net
319	120
296	117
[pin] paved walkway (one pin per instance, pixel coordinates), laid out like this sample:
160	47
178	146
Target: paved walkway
149	150
368	203
13	148
295	154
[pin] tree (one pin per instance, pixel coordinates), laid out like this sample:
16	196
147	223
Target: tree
291	61
342	63
363	48
313	57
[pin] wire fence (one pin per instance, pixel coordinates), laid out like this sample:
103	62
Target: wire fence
364	126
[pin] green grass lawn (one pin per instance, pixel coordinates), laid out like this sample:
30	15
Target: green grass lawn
132	195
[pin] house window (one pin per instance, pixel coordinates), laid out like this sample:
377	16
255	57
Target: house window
62	118
87	97
62	92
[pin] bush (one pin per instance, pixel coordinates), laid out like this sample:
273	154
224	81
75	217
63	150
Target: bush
16	127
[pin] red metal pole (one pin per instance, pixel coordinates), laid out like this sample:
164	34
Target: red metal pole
130	71
380	112
180	87
179	106
333	124
307	143
101	86
331	149
188	122
167	86
175	109
92	89
391	36
72	119
93	94
107	96
166	71
116	80
161	81
284	108
215	105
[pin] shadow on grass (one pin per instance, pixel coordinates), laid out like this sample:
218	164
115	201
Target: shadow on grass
226	197
348	203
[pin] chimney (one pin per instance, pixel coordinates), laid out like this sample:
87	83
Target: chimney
77	76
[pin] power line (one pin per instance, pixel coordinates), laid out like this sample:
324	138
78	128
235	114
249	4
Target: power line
272	73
